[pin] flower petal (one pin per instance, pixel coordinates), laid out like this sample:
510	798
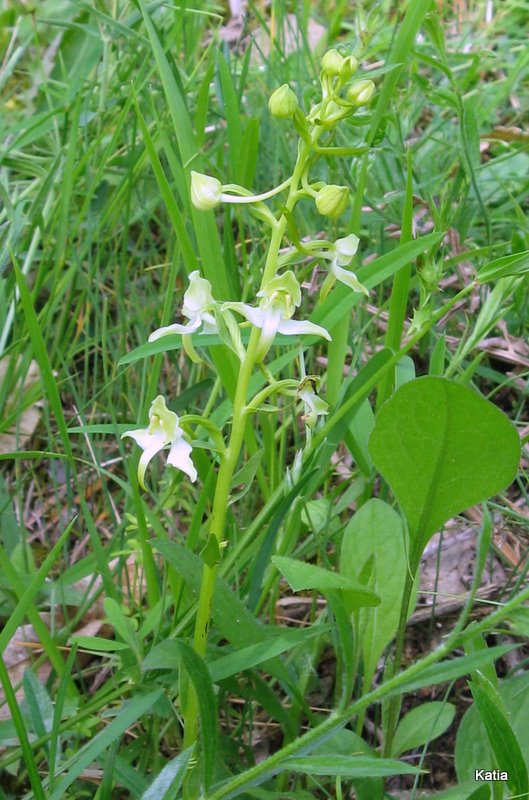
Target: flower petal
145	439
209	323
271	322
349	278
253	315
294	327
346	249
191	326
147	455
179	457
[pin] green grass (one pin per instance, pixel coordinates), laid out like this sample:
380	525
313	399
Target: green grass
105	107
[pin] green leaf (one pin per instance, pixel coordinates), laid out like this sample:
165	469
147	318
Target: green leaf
210	553
122	625
486	728
167	655
503	741
38	702
504	267
442	448
466	791
301	576
169	781
345	742
421	725
376	532
351	766
255	654
98	644
450	670
86	755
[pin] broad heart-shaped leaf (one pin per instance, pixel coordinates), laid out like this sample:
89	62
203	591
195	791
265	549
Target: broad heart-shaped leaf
375	531
300	576
442	448
421	725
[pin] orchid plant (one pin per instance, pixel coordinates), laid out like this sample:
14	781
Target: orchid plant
275	311
376	570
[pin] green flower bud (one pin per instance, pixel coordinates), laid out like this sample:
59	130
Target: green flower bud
361	92
205	191
332	201
430	275
332	63
283	102
348	68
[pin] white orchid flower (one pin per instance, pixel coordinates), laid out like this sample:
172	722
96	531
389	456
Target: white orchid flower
208	192
315	406
341	256
197	307
280	297
163	429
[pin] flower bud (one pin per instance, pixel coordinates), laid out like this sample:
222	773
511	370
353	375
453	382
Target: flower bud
205	191
332	63
348	68
331	201
283	102
361	92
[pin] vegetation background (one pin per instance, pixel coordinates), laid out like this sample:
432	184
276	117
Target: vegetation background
100	122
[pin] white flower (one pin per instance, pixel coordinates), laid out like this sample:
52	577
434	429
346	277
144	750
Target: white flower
315	406
163	429
206	192
279	299
341	256
197	307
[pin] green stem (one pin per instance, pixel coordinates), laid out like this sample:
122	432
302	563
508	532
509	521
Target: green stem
227	467
399	293
394	703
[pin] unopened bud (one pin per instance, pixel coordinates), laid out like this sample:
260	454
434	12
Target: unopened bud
429	274
348	68
332	201
361	92
283	102
205	191
332	63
